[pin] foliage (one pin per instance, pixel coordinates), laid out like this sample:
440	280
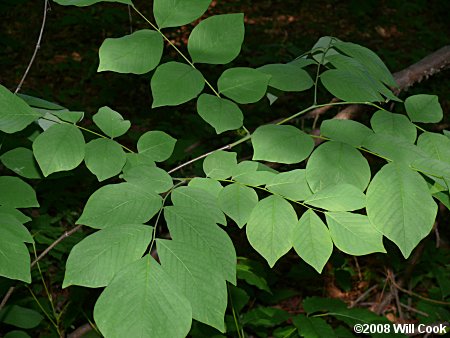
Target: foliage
322	195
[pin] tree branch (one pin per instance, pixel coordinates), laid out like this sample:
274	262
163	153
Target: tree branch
38	45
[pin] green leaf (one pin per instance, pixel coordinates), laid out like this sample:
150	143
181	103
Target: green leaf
152	178
199	229
220	113
135	304
369	59
424	108
217	39
270	228
15	255
290	184
22	162
411	211
195	274
16	334
134	160
15	114
345	131
16	193
339	197
237	201
220	164
246	273
265	317
313	327
333	163
349	86
174	13
354	234
14	213
137	53
117	204
435	145
243	85
312	240
156	145
111	122
287	77
19	316
174	83
319	304
208	184
60	148
200	200
105	158
393	124
393	148
283	144
40	103
95	260
249	173
81	3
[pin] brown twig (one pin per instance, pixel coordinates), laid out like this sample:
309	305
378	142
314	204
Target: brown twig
38	45
363	296
410	308
81	331
42	255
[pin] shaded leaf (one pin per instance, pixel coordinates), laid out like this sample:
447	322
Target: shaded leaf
354	234
174	13
243	85
312	240
60	148
424	108
339	197
411	211
217	39
283	144
95	260
16	193
270	228
156	145
287	77
105	158
135	304
335	162
220	164
22	162
111	122
117	204
237	201
220	113
15	114
290	184
174	83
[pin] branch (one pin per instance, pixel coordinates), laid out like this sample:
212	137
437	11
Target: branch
42	255
81	331
38	45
